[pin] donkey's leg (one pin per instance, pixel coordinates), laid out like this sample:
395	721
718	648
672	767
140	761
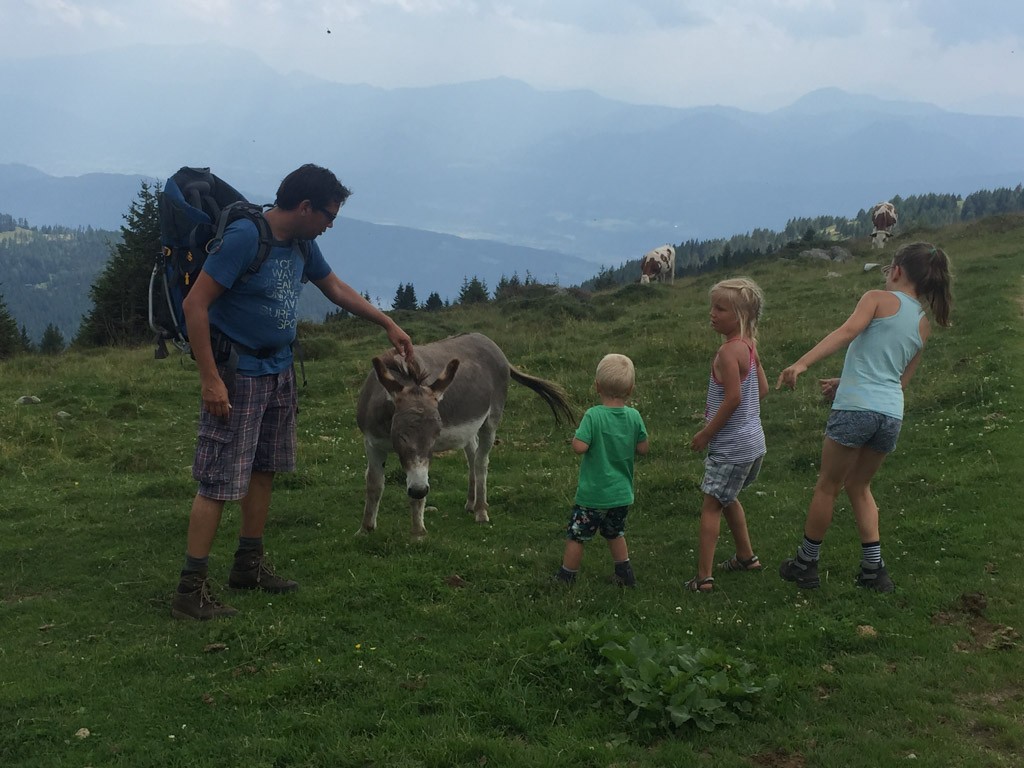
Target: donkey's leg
478	471
374	485
416	507
470	449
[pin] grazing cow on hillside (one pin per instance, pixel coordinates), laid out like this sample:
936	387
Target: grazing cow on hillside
878	238
883	218
659	264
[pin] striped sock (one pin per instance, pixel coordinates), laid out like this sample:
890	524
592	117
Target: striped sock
872	553
809	550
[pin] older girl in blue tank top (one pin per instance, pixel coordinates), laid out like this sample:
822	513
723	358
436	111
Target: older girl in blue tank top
885	334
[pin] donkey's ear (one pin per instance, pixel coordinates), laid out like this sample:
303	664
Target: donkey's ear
441	382
389	382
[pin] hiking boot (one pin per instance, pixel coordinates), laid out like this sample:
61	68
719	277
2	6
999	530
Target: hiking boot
803	572
624	576
193	600
875	576
252	570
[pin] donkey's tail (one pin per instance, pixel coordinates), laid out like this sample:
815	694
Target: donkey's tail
551	393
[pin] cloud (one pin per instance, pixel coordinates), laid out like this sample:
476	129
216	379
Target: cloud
755	54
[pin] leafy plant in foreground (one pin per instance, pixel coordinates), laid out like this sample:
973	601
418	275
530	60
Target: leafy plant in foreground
664	686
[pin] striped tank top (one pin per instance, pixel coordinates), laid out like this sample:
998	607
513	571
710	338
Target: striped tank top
741	440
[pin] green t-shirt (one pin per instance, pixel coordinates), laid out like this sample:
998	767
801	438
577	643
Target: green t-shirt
606	471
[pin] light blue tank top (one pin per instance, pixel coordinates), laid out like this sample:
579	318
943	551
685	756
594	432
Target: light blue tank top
876	360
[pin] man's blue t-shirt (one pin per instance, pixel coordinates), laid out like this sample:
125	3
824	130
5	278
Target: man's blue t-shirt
261	312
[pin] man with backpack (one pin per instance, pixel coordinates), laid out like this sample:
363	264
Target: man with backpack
240	332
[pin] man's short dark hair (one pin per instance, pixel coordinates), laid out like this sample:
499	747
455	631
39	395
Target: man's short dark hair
310	182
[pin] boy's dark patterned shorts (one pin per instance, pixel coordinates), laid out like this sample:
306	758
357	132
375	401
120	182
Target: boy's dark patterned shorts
586	521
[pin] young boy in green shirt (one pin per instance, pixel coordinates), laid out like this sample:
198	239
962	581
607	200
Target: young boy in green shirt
608	438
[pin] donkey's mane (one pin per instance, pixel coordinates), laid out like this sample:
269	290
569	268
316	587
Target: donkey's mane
403	369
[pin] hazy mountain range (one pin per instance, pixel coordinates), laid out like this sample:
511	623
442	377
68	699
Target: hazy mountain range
569	172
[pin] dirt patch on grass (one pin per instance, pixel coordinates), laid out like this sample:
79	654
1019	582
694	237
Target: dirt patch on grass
969	611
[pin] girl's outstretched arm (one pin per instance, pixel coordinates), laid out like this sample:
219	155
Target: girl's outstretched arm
863	314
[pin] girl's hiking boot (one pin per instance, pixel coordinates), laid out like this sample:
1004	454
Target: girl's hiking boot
193	600
252	570
803	572
875	576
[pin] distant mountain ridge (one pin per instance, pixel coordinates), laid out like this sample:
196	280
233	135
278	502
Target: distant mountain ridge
497	159
375	259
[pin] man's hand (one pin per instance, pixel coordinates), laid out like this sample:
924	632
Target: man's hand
215	399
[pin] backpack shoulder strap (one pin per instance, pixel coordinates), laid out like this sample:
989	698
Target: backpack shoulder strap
266	241
302	246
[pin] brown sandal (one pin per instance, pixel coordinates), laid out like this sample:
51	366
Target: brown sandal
697	584
735	564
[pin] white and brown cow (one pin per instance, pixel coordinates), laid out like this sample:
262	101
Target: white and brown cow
659	264
883	218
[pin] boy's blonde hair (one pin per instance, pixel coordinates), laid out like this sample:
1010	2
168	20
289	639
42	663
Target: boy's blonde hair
747	299
616	375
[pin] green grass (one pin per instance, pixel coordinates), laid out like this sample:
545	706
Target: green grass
380	661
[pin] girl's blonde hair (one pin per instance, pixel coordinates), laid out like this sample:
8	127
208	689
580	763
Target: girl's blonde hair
747	299
616	375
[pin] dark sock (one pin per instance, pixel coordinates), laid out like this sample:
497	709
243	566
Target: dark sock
193	566
248	544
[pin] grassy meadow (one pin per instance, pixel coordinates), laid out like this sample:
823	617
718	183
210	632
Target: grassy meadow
457	650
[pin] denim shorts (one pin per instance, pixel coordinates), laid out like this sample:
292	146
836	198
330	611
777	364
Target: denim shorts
258	437
724	481
585	522
867	429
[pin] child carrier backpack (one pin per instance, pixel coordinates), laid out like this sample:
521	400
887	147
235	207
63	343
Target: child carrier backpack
194	209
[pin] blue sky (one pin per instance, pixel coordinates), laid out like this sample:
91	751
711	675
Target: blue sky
753	54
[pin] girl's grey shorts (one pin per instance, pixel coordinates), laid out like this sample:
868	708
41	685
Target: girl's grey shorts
724	481
854	429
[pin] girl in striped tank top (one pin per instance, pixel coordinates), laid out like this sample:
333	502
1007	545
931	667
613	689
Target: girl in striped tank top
732	428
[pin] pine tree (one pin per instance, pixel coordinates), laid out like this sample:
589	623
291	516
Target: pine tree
120	295
52	342
26	341
10	339
508	287
433	302
473	291
405	298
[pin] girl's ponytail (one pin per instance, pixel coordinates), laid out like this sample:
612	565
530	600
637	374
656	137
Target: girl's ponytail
929	270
